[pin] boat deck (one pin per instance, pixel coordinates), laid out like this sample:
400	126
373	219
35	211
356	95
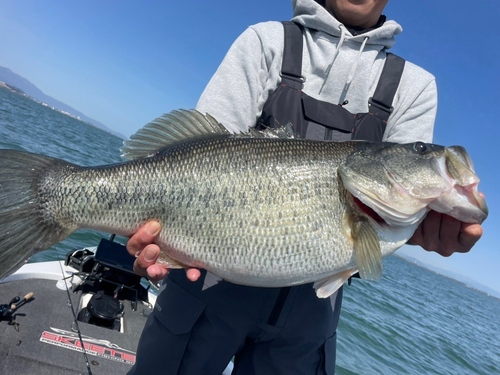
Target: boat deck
46	343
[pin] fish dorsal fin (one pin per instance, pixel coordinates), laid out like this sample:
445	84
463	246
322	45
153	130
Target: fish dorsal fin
181	125
282	131
168	129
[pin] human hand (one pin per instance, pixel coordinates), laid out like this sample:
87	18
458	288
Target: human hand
142	245
446	235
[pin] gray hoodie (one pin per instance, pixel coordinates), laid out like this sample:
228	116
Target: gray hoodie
337	66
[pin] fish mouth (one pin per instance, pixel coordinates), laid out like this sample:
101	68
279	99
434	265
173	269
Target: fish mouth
383	210
457	195
463	200
367	210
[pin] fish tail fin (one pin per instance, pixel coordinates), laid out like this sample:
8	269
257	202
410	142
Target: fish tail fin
24	226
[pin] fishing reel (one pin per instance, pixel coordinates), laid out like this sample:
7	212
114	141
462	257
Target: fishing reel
7	310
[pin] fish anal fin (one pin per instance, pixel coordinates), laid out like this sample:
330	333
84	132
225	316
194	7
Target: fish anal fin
326	287
367	248
169	262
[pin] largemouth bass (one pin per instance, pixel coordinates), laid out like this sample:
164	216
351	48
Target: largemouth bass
259	209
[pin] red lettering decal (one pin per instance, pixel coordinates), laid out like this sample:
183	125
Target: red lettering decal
128	357
68	340
97	348
50	336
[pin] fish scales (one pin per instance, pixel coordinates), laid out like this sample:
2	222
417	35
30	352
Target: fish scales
259	208
263	208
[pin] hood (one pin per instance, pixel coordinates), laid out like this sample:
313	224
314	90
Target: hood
312	15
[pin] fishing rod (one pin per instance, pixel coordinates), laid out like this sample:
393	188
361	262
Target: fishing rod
75	320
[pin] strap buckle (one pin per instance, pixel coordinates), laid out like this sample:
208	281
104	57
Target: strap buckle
301	79
380	105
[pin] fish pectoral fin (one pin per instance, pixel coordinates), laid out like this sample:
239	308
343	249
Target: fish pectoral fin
167	261
326	287
367	248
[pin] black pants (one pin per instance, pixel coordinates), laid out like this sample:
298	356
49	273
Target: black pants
194	332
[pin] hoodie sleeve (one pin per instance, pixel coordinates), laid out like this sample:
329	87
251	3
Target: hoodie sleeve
415	109
237	92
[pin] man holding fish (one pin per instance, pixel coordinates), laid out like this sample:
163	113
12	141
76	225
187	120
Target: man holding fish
201	321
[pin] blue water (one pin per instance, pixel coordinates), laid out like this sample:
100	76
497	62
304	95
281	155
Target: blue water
29	126
412	322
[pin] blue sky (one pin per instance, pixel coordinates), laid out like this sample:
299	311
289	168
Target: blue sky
124	63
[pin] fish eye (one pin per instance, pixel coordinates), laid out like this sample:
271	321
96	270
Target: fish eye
421	147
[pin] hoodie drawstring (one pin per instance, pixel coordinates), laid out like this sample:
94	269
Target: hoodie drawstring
329	67
353	70
350	76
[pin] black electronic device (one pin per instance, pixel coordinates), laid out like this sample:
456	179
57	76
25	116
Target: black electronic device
114	255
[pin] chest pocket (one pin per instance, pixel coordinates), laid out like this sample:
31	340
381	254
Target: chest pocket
319	120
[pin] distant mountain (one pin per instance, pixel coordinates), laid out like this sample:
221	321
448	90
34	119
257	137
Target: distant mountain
452	275
13	79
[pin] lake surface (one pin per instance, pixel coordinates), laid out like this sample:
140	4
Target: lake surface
412	322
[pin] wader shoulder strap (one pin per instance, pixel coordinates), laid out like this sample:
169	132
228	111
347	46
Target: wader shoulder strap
291	66
381	102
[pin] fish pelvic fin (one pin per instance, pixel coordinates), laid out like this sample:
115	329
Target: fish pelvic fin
23	228
326	287
182	125
367	248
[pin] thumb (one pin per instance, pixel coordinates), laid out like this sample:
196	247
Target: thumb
144	236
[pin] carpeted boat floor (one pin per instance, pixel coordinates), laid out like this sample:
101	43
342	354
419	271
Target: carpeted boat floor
46	343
